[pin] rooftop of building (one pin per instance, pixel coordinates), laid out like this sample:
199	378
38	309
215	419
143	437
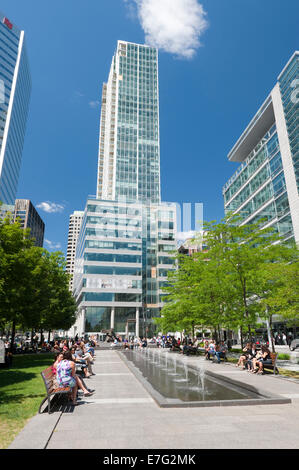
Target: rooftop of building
4	19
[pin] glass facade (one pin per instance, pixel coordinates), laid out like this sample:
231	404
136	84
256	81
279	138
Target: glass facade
129	156
289	89
258	191
124	275
264	188
28	217
16	81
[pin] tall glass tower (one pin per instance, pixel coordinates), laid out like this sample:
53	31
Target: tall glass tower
127	237
129	150
15	88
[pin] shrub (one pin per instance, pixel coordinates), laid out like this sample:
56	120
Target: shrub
284	357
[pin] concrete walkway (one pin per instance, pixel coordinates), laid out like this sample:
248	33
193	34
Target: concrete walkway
122	415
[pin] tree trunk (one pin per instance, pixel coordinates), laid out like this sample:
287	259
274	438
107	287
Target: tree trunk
49	333
31	338
216	334
13	334
272	339
249	330
41	337
241	334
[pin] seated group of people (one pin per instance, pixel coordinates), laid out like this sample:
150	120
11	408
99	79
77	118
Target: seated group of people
187	346
64	367
254	359
214	349
136	343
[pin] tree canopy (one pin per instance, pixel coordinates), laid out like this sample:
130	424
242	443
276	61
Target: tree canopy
34	291
247	273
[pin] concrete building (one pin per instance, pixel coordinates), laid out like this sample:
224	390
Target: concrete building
27	215
73	233
123	248
266	184
15	88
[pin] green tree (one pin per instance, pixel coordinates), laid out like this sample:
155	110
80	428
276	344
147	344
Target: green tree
225	287
34	285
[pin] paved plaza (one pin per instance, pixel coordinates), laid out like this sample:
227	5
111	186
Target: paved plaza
122	415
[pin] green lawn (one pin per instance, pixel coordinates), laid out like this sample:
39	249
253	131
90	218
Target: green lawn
21	392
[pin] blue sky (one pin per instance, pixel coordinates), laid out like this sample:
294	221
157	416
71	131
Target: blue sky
208	93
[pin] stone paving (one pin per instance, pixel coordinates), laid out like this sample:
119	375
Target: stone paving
122	415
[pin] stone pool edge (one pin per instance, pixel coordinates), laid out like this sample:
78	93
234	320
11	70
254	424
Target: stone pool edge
267	398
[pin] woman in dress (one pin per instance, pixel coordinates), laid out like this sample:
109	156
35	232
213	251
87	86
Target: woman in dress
66	376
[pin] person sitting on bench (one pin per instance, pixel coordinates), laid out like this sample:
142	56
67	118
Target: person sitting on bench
211	350
258	363
221	351
190	348
66	376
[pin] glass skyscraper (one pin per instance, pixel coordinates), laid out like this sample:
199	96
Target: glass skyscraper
127	236
15	91
129	153
28	217
265	187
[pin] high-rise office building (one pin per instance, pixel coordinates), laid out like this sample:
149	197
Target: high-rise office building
73	233
15	88
27	215
127	237
265	187
129	150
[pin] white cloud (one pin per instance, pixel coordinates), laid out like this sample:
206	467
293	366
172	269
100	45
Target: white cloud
50	207
174	26
94	104
182	236
53	246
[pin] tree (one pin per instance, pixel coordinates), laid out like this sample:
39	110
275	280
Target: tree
225	287
277	285
14	271
34	285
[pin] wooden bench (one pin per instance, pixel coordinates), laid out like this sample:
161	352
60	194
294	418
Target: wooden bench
51	387
273	365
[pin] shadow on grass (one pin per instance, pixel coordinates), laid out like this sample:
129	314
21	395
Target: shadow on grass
25	361
7	399
10	377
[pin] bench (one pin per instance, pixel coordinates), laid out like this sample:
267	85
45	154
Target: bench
223	358
191	350
273	365
51	387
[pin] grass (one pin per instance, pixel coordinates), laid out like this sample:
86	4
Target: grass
284	357
21	392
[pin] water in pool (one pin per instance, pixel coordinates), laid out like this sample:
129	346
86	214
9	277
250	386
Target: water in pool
175	380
